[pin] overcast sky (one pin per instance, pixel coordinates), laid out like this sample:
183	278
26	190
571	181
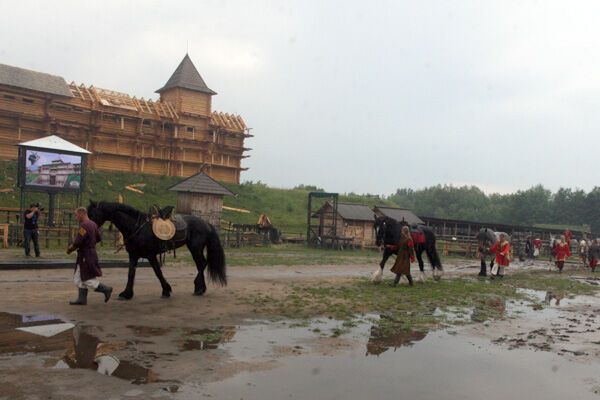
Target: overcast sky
354	95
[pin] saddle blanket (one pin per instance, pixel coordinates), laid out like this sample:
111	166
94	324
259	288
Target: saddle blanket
418	237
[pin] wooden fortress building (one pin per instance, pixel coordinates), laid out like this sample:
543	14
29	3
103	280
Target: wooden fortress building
178	135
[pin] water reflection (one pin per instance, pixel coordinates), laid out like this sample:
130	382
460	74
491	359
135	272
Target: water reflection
207	339
13	340
380	342
87	353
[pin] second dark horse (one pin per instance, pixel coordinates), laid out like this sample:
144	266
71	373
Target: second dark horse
387	233
140	242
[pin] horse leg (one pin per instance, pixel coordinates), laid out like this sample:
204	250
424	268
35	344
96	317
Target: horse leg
127	294
166	288
437	269
387	253
199	282
419	254
483	270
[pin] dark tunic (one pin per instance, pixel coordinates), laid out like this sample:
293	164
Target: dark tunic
406	253
85	243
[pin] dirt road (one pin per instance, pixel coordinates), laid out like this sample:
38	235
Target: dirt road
188	347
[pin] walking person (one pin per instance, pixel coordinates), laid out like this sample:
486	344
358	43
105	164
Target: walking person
562	251
584	249
87	268
406	255
502	250
594	254
31	230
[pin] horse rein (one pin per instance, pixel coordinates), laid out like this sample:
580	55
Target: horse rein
138	230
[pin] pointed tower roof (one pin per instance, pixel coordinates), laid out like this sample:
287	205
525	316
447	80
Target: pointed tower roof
186	76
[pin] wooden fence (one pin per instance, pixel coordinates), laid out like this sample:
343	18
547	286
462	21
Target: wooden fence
50	237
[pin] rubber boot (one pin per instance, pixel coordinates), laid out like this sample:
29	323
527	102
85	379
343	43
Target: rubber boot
397	280
483	271
81	298
410	280
107	290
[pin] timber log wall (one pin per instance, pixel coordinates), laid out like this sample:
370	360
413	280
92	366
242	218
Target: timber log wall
177	135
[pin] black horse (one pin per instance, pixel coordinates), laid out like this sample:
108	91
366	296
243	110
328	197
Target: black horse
387	234
486	238
140	242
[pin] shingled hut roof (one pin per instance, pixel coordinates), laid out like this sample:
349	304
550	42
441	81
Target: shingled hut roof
399	214
201	183
33	80
351	211
355	212
186	76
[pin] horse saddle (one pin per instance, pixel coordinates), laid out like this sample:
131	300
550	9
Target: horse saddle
167	226
417	234
181	229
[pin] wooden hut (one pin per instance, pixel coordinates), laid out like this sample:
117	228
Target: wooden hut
201	195
354	222
398	214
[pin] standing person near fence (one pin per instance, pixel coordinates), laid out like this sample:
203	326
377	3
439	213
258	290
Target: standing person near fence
31	230
502	250
562	251
87	267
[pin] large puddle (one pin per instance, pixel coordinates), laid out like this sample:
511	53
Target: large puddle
329	359
21	334
439	365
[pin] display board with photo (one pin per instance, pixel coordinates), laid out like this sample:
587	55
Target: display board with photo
52	170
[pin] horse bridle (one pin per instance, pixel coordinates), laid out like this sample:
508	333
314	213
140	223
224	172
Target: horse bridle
138	230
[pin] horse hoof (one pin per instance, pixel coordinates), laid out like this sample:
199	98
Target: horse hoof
125	296
199	293
165	296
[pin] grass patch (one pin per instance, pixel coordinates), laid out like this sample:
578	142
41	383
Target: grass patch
285	207
448	302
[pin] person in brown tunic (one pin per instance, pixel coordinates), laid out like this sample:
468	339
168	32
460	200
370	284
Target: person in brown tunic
87	268
406	255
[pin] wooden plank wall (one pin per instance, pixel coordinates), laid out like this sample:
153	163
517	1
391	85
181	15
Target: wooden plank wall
123	139
207	207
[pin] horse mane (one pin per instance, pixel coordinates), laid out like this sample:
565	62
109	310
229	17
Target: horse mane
386	219
113	207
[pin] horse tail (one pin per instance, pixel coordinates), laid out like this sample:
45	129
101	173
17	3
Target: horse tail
436	257
216	258
432	254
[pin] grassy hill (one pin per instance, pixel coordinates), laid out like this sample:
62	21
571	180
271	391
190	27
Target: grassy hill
285	207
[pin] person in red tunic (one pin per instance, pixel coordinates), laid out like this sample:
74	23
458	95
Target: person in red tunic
594	254
87	268
502	250
537	247
568	237
562	251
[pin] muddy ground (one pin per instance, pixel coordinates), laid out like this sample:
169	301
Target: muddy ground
242	341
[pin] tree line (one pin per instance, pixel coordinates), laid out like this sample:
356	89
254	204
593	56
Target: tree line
536	205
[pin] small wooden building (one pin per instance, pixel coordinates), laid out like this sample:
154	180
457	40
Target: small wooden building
398	214
202	196
354	221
